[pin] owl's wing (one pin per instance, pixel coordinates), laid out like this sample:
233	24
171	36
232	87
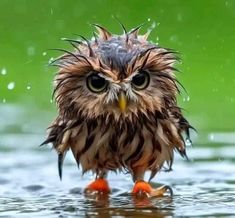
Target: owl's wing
185	127
58	135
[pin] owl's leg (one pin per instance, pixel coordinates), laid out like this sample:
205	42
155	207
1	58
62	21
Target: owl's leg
144	188
100	184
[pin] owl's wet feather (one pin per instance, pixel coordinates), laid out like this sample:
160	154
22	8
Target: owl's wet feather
101	136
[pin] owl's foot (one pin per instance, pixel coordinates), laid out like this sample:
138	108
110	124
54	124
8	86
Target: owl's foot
141	188
161	191
99	185
144	188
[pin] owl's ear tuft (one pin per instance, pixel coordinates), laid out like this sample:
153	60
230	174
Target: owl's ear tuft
103	33
134	32
91	52
146	35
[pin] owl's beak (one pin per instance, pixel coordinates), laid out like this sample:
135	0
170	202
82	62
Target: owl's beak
122	101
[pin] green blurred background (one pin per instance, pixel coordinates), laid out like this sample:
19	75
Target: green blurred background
202	31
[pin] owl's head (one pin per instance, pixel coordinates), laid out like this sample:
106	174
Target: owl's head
119	76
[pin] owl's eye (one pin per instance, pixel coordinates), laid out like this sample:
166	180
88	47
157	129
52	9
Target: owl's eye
96	83
141	80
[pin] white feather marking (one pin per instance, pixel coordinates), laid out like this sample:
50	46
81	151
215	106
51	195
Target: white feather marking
112	93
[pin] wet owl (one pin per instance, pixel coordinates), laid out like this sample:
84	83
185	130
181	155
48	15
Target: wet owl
117	107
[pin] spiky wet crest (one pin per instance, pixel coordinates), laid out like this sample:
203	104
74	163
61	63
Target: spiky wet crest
117	59
92	125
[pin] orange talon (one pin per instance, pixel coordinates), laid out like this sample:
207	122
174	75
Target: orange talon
141	187
99	185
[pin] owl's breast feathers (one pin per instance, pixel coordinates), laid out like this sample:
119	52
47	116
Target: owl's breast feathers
144	143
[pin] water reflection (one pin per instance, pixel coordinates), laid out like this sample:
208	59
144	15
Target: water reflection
102	205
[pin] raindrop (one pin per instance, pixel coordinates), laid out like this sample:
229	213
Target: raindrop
4	101
51	101
212	137
188	142
179	17
4	71
157	40
186	98
174	38
215	90
31	51
149	19
28	87
44	53
51	59
153	25
11	85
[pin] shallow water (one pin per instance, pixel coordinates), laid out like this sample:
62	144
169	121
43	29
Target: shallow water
30	186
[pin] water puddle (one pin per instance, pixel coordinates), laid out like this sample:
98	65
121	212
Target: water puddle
30	186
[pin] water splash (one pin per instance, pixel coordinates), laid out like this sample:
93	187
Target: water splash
11	85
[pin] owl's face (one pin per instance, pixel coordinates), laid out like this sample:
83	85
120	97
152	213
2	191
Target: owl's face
118	76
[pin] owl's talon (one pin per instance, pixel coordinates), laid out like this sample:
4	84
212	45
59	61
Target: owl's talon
142	188
99	186
161	191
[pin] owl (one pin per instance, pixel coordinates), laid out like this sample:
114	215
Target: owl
117	108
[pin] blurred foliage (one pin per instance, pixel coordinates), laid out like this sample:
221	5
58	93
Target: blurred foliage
202	31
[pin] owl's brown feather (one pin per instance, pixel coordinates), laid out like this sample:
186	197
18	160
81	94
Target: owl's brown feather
101	136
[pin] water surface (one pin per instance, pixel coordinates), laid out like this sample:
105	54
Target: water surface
30	186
